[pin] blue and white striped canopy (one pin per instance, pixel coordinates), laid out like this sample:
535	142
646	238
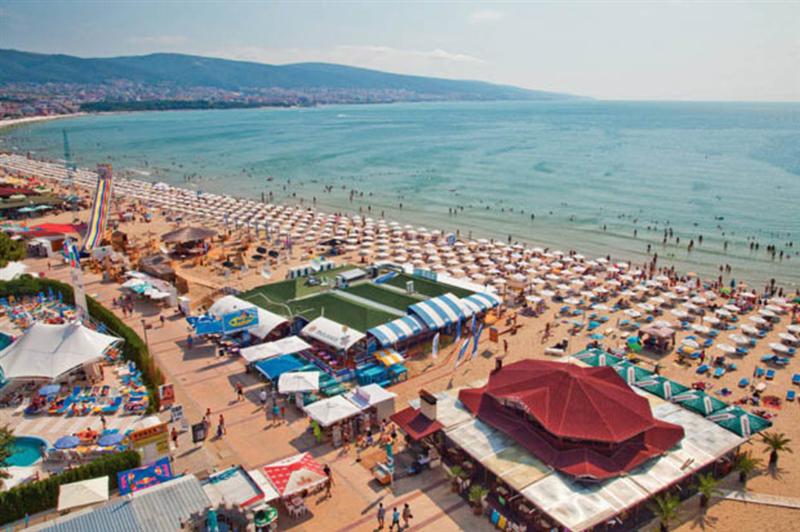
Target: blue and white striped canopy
397	330
439	312
481	301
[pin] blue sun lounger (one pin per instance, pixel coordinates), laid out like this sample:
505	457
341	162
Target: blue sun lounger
790	395
743	382
719	372
770	374
702	369
796	378
759	372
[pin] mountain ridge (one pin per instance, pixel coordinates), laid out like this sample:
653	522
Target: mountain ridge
187	71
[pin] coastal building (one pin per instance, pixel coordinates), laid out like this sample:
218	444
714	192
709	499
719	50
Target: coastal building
568	445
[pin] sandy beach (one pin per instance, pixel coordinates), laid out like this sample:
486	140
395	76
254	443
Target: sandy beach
195	371
33	119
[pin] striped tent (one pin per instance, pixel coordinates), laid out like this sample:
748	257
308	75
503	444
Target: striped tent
389	357
481	301
439	312
397	330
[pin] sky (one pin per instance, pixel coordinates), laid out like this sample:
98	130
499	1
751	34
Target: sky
608	50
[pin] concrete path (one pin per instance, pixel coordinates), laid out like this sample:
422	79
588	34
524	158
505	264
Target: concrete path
762	498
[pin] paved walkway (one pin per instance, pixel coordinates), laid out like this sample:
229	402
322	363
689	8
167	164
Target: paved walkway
762	498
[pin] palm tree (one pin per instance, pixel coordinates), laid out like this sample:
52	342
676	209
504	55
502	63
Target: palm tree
707	486
776	442
746	463
665	508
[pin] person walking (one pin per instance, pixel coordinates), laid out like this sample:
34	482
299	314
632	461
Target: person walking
276	412
381	516
175	437
329	474
406	515
239	392
262	397
395	520
222	424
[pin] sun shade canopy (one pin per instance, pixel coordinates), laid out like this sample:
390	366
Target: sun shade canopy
439	312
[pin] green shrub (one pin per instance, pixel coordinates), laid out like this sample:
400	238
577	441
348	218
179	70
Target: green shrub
43	495
133	349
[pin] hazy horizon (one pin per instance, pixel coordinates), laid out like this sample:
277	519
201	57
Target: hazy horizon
609	51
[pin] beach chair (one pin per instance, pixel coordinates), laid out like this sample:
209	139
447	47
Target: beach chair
760	372
768	358
790	395
719	372
110	408
702	369
741	351
744	382
770	374
796	378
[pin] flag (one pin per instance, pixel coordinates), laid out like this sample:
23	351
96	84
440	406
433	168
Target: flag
473	325
475	343
462	351
458	330
435	346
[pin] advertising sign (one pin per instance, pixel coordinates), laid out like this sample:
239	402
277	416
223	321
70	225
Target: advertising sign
143	477
239	320
166	395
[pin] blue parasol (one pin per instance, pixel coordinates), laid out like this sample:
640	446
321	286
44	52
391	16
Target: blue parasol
49	389
109	440
597	336
67	442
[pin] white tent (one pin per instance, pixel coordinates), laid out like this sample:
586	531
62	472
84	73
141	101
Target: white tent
82	493
267	321
284	346
48	351
12	270
298	381
328	411
332	333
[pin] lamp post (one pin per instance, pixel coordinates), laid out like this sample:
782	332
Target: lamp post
144	328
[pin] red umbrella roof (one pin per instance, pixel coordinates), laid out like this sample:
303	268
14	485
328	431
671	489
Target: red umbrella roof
415	424
295	474
585	422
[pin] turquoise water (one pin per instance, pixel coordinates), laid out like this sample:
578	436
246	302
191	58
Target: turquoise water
591	172
26	451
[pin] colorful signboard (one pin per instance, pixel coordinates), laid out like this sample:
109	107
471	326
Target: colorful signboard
146	476
166	395
239	320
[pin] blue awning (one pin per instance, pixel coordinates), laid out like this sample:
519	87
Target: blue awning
397	330
273	368
439	312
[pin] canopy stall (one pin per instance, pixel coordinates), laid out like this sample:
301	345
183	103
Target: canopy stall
295	475
82	493
373	396
339	337
284	346
266	323
273	368
415	424
481	302
298	382
50	351
332	410
233	485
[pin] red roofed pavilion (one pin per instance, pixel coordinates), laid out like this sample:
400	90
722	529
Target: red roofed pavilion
584	422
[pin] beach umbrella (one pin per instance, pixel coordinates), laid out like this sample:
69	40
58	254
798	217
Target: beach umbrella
49	389
67	442
597	336
110	440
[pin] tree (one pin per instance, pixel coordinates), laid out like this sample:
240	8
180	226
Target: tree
665	507
707	486
10	250
746	463
6	437
776	442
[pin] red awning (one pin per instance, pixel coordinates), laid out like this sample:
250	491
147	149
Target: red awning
415	424
57	228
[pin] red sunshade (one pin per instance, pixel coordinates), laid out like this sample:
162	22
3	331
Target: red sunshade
417	426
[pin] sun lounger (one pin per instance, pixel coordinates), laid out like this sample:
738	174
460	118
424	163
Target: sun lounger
768	358
790	395
719	372
796	378
744	382
770	374
759	372
702	369
554	351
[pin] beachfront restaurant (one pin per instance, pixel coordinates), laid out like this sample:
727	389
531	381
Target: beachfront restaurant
334	344
591	462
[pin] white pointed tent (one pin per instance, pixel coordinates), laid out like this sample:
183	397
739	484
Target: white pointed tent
49	351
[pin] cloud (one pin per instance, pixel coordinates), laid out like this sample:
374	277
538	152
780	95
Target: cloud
486	15
159	40
437	54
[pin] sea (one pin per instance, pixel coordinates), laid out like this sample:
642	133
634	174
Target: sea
626	179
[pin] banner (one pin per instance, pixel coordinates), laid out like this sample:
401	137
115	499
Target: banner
494	335
239	320
462	351
458	330
435	346
207	325
475	342
137	479
166	395
472	326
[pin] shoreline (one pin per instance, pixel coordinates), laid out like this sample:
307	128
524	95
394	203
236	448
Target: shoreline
4	124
